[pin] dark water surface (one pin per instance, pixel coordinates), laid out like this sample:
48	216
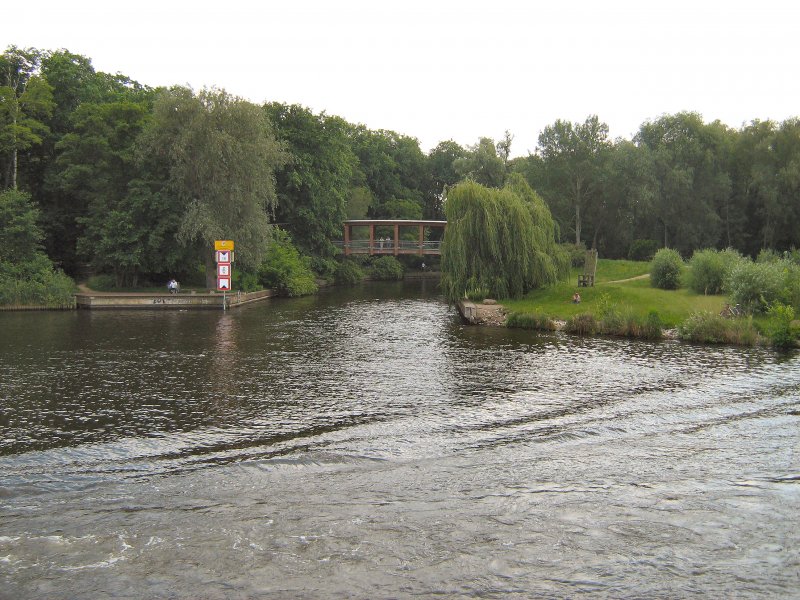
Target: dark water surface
366	444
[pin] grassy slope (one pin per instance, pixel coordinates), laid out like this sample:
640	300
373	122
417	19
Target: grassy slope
673	306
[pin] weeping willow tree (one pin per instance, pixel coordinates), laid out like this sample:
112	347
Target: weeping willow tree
499	242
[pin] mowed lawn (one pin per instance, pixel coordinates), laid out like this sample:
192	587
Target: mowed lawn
673	306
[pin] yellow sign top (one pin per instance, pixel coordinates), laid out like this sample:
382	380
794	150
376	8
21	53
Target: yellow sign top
223	245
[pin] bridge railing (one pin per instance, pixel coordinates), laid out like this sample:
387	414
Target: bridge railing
379	247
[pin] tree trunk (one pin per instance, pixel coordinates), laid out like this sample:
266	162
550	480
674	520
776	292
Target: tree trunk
577	224
14	169
14	154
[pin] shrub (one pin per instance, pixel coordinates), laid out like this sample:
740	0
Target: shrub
324	267
779	327
653	328
665	270
285	270
643	250
709	268
755	286
36	284
247	282
529	320
625	322
793	256
707	327
387	268
477	294
768	255
348	273
582	324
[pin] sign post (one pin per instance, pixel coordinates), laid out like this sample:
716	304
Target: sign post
223	255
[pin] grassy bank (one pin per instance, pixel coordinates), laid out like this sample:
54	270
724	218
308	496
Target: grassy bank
618	284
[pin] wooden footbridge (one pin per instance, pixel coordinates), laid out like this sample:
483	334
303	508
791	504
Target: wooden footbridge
383	236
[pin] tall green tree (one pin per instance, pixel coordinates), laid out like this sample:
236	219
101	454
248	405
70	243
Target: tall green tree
574	156
442	171
500	241
315	185
483	164
391	165
766	185
126	228
76	85
622	210
218	156
26	99
691	179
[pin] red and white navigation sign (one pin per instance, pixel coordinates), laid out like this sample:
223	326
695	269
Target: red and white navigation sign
224	257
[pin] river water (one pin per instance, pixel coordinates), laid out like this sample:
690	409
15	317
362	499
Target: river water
365	443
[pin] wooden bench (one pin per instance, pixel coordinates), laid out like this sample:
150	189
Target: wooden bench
589	269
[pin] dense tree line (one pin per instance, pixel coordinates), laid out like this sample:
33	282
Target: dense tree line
680	182
136	181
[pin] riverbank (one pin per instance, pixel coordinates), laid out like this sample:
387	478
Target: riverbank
624	304
89	299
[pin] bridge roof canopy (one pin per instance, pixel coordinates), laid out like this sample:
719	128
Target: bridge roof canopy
401	222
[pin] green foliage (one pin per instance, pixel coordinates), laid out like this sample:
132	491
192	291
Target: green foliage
123	228
245	281
390	165
477	294
687	159
582	324
284	270
482	164
314	187
386	268
755	286
627	323
530	320
499	240
401	209
711	328
709	270
573	155
665	269
27	276
38	284
348	273
217	155
779	326
576	252
358	204
324	267
20	234
642	250
621	320
26	102
768	255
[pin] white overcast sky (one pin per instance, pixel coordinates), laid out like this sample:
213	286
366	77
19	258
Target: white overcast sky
449	69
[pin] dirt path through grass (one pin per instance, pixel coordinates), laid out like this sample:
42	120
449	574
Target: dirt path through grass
645	276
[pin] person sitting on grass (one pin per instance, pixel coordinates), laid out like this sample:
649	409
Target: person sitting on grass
576	298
